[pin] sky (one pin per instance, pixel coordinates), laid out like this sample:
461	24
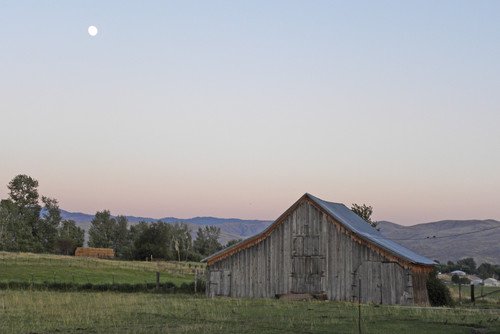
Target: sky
237	108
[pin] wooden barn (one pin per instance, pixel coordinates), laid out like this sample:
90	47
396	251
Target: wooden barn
323	249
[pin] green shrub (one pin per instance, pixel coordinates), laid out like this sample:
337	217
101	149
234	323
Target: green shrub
438	292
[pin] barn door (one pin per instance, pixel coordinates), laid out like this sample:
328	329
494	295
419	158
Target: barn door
225	287
219	283
307	264
382	283
213	283
369	273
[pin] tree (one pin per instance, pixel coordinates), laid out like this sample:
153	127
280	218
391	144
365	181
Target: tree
182	244
48	225
121	236
497	270
23	191
102	230
69	237
15	233
232	242
468	265
135	231
22	228
486	270
207	240
24	205
155	241
365	212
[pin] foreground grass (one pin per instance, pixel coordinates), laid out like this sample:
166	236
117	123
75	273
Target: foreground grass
47	312
39	268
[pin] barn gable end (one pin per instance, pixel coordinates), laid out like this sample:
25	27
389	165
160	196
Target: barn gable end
310	249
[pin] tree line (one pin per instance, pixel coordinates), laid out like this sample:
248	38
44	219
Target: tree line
26	225
158	240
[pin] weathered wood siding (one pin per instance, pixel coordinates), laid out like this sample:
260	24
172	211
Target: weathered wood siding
311	253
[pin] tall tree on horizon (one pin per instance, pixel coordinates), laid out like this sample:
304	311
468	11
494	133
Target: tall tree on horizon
182	241
102	230
121	236
23	191
15	234
48	225
365	212
207	240
19	216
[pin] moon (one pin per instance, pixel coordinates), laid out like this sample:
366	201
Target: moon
92	31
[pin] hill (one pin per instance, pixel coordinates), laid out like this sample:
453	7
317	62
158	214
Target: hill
449	239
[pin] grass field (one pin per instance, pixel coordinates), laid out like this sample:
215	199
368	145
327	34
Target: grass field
39	268
26	311
107	312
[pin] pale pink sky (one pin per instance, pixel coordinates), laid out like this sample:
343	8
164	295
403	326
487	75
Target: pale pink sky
237	109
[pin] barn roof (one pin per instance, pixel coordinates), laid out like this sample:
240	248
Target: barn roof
343	215
356	224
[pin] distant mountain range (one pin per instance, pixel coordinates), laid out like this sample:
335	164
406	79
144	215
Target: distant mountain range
449	239
437	240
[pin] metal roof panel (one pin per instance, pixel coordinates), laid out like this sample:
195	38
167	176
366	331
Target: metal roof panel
356	224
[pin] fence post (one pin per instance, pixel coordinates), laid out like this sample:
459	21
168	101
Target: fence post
195	279
157	280
472	296
359	306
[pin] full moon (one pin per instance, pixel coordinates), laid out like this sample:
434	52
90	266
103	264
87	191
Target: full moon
92	30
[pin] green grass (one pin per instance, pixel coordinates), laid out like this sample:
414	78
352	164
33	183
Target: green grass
25	311
107	312
39	268
492	300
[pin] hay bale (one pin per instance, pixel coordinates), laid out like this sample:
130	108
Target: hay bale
101	253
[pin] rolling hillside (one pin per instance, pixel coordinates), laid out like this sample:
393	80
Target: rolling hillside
446	245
